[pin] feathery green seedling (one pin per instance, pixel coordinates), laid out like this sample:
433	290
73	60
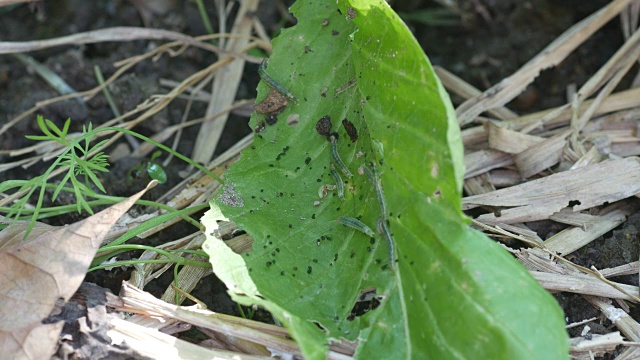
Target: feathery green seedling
81	161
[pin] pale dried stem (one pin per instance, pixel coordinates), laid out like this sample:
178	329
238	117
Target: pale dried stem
553	54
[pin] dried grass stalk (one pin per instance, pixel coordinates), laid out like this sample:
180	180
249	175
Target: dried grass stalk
509	141
585	285
583	188
573	238
479	162
553	54
541	156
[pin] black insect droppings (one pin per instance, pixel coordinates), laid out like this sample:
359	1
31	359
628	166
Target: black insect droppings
369	248
313	216
378	261
350	129
309	270
315	260
335	257
372	241
411	262
278	249
283	153
273	253
335	32
323	126
290	226
295	268
353	253
269	263
281	273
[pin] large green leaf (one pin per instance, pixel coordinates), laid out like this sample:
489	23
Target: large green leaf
454	293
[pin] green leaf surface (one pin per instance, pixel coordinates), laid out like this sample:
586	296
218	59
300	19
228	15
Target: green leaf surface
454	293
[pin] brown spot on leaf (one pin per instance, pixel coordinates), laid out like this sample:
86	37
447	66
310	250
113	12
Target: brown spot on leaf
350	129
275	102
323	126
351	13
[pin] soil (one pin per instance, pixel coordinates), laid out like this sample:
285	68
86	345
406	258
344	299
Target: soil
493	39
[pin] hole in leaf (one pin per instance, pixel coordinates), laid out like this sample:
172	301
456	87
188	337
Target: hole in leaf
321	327
367	301
573	203
293	119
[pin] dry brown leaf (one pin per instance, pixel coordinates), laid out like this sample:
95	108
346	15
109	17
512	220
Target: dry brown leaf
48	265
592	185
